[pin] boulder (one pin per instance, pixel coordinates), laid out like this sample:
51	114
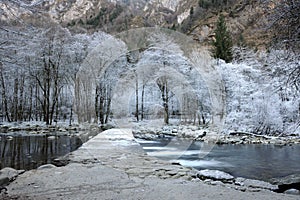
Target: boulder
294	178
62	129
174	131
259	184
287	183
200	134
239	181
9	137
215	175
292	191
47	166
21	171
107	126
4	181
12	129
51	137
7	174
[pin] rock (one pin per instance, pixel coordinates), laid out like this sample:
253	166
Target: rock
234	140
292	191
171	173
59	162
200	134
12	129
173	162
62	130
174	131
216	183
239	181
9	173
166	132
9	137
259	184
72	128
51	137
4	181
215	175
182	173
294	178
21	171
5	127
107	126
244	137
47	166
286	183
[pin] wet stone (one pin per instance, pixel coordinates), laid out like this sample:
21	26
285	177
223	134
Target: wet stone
47	166
171	173
214	175
259	184
8	172
292	191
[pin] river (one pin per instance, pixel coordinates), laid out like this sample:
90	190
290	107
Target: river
21	150
255	161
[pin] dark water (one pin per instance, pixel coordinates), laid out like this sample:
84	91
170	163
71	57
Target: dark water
23	151
261	162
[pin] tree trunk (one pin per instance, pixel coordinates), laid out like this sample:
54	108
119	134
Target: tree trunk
137	98
101	105
47	86
108	104
30	104
163	86
4	97
143	94
97	102
166	103
55	91
15	99
21	101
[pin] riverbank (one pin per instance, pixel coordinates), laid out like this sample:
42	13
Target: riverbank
152	131
205	135
40	128
113	165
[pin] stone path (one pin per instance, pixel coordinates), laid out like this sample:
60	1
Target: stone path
113	165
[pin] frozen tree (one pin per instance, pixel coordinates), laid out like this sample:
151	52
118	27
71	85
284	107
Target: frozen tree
40	65
166	43
54	70
284	17
257	99
92	71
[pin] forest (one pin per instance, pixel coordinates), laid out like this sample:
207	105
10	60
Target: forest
41	64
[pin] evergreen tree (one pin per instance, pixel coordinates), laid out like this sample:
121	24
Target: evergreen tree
223	42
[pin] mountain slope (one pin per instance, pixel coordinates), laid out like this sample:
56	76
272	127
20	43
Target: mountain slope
248	20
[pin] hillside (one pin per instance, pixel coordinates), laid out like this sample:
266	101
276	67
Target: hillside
247	20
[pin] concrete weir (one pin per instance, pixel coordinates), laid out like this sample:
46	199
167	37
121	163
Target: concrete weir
113	165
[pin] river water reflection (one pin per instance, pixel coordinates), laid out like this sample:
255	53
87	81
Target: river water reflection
254	161
23	151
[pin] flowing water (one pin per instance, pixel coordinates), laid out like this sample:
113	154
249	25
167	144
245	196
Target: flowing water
254	161
24	151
